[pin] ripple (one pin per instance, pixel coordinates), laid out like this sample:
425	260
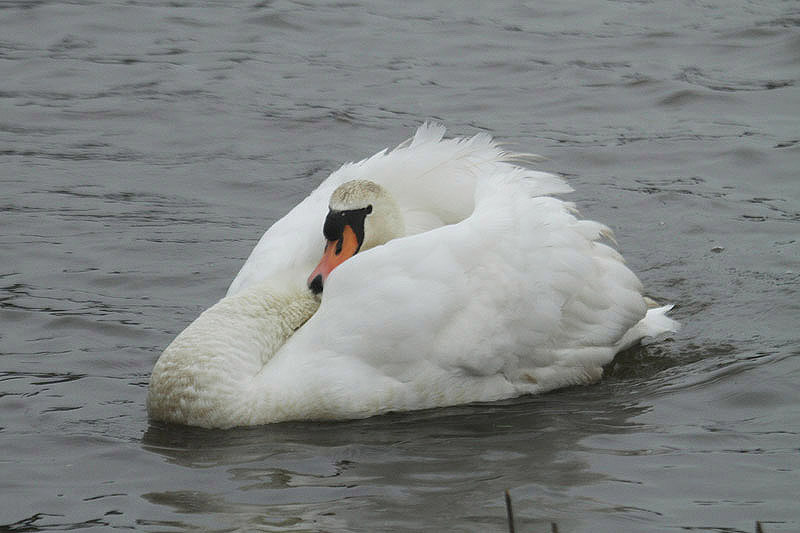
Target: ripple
684	97
697	76
71	42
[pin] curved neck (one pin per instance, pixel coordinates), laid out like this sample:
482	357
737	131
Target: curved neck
203	377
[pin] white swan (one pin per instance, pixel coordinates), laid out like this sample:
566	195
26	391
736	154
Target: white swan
464	281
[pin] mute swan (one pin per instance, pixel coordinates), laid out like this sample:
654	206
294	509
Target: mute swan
448	275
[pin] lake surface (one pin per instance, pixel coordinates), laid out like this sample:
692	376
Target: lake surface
145	146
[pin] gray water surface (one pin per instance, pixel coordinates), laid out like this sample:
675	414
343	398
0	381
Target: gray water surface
145	146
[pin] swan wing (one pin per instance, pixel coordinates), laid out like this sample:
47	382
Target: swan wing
432	179
519	297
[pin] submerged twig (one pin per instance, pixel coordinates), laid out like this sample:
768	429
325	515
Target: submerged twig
553	525
509	513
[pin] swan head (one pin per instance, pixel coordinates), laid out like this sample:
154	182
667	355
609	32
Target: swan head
361	215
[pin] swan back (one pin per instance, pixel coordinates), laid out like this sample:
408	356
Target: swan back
433	181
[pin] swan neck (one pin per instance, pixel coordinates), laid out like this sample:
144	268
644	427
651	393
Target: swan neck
207	375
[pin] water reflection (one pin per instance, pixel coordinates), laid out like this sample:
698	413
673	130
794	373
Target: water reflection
401	466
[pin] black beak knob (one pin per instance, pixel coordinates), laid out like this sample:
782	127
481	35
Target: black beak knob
316	284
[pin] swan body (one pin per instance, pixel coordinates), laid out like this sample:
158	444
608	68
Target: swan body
464	280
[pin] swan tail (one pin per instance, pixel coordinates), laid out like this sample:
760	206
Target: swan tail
655	322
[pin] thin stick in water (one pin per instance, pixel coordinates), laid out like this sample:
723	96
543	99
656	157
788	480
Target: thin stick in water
509	513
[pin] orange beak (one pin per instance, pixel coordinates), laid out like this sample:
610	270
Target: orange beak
336	252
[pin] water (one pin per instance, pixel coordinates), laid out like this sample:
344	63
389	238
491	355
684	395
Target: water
145	146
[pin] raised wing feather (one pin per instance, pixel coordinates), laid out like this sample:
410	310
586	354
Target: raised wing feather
518	297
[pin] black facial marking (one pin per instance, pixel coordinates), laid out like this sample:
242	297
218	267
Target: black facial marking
337	220
316	284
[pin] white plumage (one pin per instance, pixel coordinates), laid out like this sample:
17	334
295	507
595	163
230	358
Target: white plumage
496	290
